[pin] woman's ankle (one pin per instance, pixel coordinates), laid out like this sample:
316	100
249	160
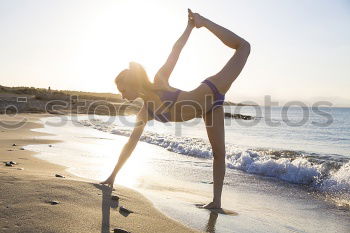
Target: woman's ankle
217	202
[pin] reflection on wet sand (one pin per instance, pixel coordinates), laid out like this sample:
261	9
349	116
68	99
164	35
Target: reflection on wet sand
213	215
211	222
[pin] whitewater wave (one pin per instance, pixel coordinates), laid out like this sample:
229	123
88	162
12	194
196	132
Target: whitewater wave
324	172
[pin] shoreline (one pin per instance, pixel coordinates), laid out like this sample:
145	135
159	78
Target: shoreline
27	193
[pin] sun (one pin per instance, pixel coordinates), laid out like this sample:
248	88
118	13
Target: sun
125	31
140	31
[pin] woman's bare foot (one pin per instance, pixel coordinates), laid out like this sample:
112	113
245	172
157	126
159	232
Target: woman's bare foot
212	205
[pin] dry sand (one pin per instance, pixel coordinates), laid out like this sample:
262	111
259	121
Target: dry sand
84	206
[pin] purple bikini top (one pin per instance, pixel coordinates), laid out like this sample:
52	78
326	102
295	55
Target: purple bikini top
169	98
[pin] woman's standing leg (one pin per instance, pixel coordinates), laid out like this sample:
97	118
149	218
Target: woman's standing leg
214	122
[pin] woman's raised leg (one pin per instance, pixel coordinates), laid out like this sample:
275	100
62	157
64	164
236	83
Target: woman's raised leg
225	77
214	122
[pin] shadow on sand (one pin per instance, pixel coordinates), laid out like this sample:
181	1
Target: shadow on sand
107	204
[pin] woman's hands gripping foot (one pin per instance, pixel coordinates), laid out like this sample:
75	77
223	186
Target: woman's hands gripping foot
196	18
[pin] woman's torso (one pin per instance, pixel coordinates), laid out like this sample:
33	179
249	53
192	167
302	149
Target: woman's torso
175	105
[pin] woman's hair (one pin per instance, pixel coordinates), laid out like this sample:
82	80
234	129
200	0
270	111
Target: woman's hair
137	74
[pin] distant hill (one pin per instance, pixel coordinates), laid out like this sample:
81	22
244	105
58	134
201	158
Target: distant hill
46	94
229	103
41	100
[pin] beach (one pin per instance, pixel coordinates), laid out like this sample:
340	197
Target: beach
164	180
29	187
182	105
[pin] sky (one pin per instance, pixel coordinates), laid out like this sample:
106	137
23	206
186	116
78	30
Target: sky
300	50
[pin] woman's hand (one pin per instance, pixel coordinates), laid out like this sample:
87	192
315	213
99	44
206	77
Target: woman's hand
196	19
109	181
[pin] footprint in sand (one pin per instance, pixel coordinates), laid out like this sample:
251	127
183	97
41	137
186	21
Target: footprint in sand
218	211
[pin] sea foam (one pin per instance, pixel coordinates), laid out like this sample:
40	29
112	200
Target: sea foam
322	173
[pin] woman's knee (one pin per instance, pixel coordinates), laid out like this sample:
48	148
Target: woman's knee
219	154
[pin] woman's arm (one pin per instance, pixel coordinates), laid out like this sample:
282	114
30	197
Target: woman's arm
129	146
164	72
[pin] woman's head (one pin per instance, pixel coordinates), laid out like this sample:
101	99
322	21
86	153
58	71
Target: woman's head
133	82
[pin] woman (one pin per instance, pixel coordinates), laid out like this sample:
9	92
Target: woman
165	103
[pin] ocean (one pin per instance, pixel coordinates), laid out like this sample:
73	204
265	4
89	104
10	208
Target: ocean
281	166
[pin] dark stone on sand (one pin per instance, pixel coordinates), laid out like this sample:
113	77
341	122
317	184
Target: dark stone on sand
21	148
14	144
54	202
8	164
207	182
123	209
60	176
9	150
118	230
50	145
115	198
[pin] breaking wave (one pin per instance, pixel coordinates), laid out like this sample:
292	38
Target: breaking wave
326	173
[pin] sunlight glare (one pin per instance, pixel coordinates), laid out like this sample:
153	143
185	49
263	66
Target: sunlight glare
126	37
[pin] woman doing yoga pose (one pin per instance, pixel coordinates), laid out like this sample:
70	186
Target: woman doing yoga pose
165	103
